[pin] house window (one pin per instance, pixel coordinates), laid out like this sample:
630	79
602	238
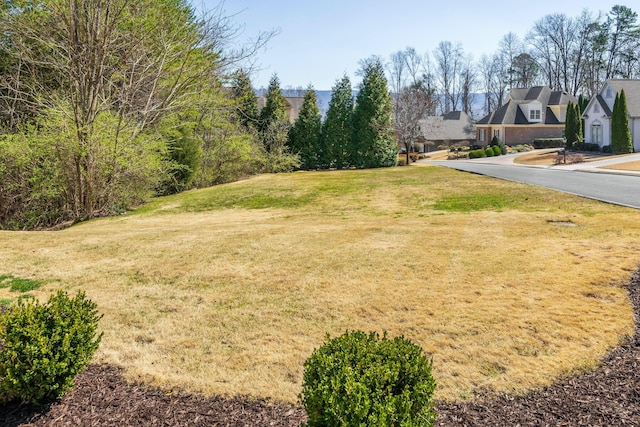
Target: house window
496	133
609	93
483	135
596	133
534	115
596	108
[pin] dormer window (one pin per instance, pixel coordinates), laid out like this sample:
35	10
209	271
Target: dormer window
609	93
596	108
534	115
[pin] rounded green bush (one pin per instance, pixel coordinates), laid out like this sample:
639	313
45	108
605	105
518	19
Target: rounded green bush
44	346
497	151
489	152
476	154
364	380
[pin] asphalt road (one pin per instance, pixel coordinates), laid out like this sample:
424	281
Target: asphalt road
619	189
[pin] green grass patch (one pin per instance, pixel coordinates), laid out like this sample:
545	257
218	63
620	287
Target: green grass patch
17	284
477	202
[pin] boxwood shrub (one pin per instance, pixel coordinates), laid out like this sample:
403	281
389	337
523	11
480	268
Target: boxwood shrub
360	379
477	154
44	346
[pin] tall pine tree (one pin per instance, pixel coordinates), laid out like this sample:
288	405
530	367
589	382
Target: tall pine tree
373	133
569	126
337	128
246	101
621	142
275	105
573	126
304	138
273	124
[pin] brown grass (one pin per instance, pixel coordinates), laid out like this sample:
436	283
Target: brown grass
228	290
629	166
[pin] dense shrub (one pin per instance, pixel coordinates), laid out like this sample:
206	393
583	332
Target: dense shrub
548	143
361	380
44	346
476	154
489	152
606	149
497	150
586	146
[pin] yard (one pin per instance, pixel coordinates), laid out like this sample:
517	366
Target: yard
226	291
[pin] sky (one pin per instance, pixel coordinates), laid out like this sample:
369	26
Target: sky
320	41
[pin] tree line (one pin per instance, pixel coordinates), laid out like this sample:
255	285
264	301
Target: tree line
572	54
357	131
106	103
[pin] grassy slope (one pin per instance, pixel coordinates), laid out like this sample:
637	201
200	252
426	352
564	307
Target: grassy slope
229	289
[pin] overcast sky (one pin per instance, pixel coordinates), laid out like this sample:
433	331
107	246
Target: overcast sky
321	40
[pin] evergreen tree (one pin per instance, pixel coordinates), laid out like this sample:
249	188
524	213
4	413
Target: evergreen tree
304	137
615	125
274	108
621	142
274	131
337	129
373	132
246	101
572	125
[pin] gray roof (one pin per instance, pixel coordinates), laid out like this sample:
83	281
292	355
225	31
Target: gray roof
511	113
631	92
453	126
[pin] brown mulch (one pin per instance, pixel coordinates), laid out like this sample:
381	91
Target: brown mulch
608	396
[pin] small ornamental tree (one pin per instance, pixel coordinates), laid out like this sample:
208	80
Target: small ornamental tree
621	142
304	138
364	380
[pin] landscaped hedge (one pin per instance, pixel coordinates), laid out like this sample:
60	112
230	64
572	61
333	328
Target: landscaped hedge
364	380
548	143
585	146
477	154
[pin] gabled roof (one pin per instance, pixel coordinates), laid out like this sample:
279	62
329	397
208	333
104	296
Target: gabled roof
454	126
512	113
631	92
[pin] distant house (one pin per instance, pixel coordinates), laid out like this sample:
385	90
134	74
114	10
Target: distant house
454	128
292	106
528	113
597	115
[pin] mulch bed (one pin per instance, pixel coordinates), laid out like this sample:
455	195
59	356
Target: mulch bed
609	396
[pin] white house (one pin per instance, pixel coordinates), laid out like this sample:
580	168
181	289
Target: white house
597	115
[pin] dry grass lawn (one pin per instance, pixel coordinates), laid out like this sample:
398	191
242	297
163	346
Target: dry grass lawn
228	290
628	166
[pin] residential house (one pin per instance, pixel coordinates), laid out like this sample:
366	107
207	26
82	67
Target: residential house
528	114
292	106
454	128
597	115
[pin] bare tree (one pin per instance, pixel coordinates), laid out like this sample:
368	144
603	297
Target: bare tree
468	81
494	74
449	64
411	105
122	62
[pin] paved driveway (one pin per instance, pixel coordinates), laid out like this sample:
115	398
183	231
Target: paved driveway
582	179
